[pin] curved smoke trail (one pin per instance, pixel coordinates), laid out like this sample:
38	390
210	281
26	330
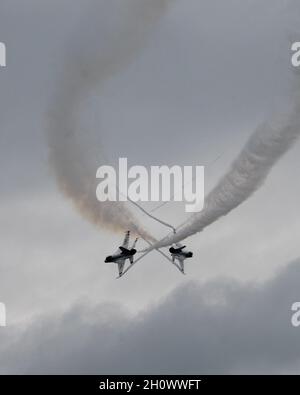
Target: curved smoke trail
112	34
245	176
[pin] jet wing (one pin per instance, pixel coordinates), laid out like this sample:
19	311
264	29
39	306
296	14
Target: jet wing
125	243
126	240
121	264
181	262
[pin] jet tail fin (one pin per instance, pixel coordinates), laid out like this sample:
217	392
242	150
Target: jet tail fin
134	244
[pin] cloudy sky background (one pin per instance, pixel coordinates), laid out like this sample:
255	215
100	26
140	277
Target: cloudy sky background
210	72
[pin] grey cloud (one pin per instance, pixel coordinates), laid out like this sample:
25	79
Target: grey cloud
219	327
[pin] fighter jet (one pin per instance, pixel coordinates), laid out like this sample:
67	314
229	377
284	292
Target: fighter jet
123	253
178	253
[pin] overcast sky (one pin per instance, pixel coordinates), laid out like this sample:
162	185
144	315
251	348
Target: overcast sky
206	75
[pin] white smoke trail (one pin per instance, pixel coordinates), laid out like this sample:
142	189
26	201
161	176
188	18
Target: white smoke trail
246	175
110	36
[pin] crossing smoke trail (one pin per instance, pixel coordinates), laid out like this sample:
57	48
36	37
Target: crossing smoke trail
245	176
111	35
